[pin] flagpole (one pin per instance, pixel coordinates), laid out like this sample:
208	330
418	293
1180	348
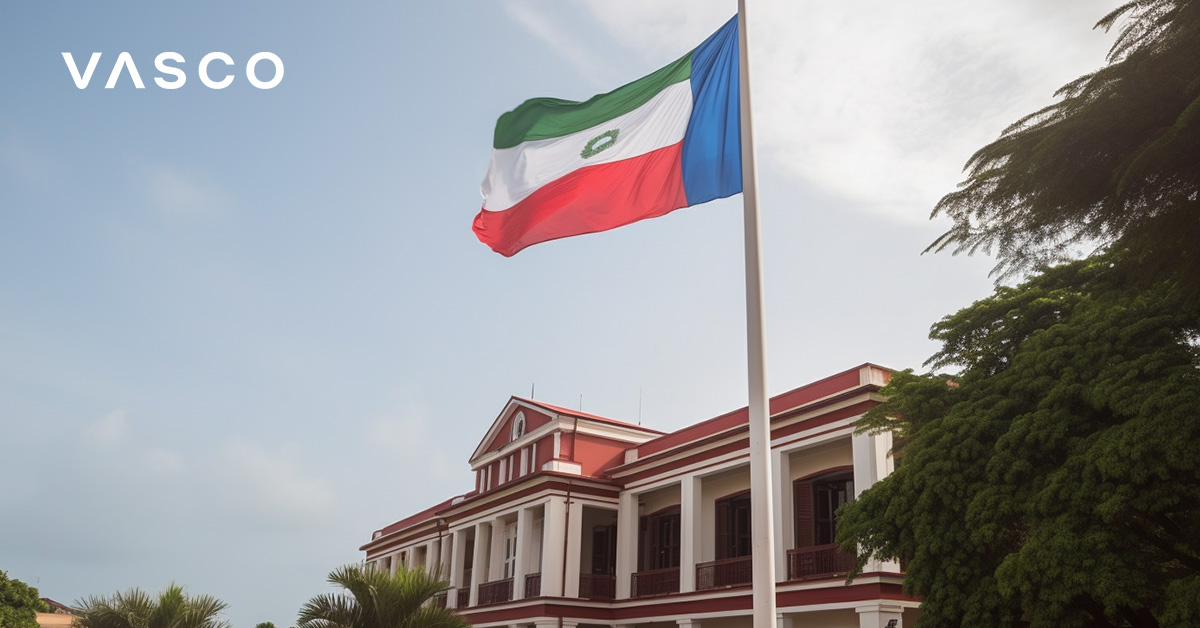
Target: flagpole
761	496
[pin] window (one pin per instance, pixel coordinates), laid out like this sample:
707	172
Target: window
816	502
604	550
660	540
510	550
518	426
733	526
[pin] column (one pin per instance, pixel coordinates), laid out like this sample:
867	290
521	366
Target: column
688	623
782	518
446	555
524	523
783	621
432	549
627	542
880	616
496	560
690	526
871	462
478	560
458	558
574	548
554	535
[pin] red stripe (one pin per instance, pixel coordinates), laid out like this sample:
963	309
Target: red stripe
588	200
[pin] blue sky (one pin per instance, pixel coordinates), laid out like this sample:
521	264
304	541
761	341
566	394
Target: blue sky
240	329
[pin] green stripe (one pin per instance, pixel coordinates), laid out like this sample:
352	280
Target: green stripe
544	118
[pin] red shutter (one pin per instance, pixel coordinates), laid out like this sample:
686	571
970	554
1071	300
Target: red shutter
802	495
644	544
724	516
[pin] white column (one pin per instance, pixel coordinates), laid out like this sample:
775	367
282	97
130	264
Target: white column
690	525
871	463
688	623
478	560
783	621
627	542
431	556
880	616
524	523
445	556
781	473
574	548
457	540
554	534
496	559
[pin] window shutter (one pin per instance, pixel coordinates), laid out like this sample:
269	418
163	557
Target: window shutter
724	517
643	544
802	496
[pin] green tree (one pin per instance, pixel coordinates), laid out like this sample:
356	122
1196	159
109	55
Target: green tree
1055	480
19	603
173	608
265	624
1114	164
378	599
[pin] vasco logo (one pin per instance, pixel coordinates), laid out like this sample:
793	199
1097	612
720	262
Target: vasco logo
125	63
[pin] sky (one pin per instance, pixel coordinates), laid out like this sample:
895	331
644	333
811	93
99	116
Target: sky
240	329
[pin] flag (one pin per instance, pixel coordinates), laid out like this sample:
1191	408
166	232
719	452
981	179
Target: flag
665	141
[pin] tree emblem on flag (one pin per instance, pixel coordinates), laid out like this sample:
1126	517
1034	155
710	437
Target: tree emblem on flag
597	144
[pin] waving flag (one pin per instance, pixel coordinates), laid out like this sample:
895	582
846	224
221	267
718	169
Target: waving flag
668	140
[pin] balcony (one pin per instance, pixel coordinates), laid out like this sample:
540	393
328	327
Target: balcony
533	584
464	597
820	561
439	598
597	587
655	582
496	592
727	572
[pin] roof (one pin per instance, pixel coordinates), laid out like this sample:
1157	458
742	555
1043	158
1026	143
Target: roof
833	384
586	415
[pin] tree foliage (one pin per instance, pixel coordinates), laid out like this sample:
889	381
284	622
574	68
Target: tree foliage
19	603
1055	480
1114	164
379	599
173	608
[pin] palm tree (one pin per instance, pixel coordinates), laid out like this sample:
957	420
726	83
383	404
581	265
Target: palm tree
378	599
137	609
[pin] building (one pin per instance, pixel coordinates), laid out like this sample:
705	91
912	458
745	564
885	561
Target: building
60	615
580	521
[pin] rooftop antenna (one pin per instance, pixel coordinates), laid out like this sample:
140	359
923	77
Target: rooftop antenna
581	402
531	386
640	405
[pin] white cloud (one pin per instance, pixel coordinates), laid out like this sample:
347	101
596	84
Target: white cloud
877	104
541	25
181	193
25	161
111	429
270	482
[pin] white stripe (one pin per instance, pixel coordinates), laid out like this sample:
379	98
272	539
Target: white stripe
517	172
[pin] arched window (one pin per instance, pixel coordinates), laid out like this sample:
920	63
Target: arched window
518	426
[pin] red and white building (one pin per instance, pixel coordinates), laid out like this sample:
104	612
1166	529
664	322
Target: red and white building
580	521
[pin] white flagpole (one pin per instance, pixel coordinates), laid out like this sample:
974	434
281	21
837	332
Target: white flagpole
761	498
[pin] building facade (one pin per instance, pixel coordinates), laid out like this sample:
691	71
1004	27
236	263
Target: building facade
580	521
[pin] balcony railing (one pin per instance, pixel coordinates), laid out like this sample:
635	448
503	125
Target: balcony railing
439	598
597	587
655	582
820	561
727	572
496	591
464	597
533	584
